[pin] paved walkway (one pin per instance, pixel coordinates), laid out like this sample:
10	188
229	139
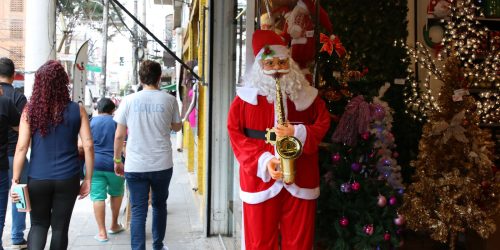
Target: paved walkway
184	225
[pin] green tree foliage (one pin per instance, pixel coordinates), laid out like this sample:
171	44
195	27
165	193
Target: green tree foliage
368	30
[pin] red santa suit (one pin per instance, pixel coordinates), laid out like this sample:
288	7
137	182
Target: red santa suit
300	31
270	207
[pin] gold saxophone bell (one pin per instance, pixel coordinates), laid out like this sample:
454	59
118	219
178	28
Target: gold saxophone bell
289	148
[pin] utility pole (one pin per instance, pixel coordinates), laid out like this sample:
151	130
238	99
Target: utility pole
134	48
40	40
104	47
144	35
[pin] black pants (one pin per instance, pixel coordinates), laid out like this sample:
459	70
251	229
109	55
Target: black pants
52	203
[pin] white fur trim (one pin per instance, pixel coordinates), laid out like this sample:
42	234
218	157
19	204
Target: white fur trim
262	166
259	197
293	189
247	94
300	133
279	51
302	40
303	193
305	98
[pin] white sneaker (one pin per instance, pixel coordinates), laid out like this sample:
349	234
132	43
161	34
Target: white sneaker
165	248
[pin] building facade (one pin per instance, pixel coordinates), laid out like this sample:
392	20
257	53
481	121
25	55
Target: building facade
12	23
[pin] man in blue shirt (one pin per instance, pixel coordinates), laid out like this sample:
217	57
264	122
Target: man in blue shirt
104	180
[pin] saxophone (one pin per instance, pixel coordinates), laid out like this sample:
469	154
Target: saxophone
289	148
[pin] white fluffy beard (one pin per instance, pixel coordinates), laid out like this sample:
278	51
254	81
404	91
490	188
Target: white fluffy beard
291	83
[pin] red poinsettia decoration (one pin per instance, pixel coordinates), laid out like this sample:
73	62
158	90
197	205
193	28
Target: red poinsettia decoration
331	43
268	52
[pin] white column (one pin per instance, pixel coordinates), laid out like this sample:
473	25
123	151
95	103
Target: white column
40	43
250	28
222	88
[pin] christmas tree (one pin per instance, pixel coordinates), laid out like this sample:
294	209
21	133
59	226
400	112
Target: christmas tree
361	189
361	186
455	187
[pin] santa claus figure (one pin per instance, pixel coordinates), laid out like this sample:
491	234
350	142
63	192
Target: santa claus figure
275	20
274	210
300	31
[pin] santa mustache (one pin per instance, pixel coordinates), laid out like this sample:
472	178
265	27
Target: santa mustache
273	71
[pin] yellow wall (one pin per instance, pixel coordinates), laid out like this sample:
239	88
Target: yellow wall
196	47
188	140
202	109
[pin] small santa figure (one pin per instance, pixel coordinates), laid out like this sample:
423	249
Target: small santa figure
299	30
274	20
276	215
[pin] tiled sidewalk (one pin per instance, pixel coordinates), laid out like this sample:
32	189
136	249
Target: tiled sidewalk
184	225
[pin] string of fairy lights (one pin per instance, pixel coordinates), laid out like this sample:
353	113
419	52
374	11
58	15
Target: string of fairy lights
468	40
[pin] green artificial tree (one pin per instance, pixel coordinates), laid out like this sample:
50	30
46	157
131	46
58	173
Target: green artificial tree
368	30
361	187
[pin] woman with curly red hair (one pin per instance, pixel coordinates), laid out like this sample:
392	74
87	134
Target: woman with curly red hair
51	122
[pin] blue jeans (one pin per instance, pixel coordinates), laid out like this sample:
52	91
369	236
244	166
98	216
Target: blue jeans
18	218
4	199
139	185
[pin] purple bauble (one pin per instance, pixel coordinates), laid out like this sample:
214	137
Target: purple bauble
345	187
387	162
393	201
336	158
382	201
356	167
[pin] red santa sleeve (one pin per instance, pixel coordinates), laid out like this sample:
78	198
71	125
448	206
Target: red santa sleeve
253	158
325	20
315	132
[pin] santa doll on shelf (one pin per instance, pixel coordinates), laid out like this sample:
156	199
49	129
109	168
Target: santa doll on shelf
299	30
273	209
274	20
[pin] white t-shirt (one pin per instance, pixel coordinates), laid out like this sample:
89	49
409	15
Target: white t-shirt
148	115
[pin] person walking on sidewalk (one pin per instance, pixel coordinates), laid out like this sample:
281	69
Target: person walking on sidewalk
150	116
9	118
7	72
51	122
104	180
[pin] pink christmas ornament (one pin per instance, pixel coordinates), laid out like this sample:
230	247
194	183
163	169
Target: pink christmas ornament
365	135
382	201
355	186
395	154
387	236
344	222
336	158
400	220
368	229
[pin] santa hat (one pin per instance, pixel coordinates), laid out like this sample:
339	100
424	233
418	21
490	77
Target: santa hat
268	44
